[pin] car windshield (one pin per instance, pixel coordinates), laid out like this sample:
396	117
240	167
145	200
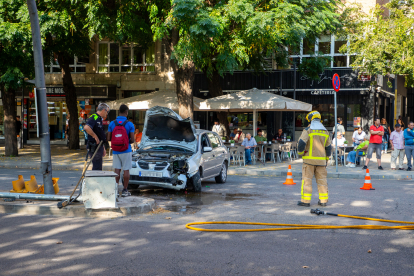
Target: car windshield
164	148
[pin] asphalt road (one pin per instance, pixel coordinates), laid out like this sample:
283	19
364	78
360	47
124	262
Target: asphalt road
159	244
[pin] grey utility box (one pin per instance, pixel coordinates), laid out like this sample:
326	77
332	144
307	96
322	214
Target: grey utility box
99	190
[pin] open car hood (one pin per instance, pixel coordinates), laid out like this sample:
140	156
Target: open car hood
165	127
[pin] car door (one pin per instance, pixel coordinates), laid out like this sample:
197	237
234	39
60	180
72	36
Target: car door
207	157
221	152
217	151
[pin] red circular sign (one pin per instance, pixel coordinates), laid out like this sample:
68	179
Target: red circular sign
336	82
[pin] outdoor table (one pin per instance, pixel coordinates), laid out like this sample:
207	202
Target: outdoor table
345	150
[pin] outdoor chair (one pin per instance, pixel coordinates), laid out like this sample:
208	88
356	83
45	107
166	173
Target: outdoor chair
233	154
293	150
240	155
361	157
274	149
285	150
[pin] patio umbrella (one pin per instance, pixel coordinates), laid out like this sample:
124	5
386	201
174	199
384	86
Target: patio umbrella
253	100
165	98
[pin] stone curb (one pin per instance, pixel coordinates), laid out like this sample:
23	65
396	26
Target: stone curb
50	209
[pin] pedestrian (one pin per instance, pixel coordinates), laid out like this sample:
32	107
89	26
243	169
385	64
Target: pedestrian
315	147
240	136
386	136
82	129
399	121
96	134
121	134
234	133
352	158
339	128
67	129
358	136
279	135
397	147
409	143
259	137
219	128
249	144
18	129
138	136
375	143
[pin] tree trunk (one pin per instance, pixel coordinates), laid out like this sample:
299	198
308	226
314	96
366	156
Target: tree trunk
184	79
10	136
214	87
71	99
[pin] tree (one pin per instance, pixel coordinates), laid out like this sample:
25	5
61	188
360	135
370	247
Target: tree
222	36
63	26
383	41
16	62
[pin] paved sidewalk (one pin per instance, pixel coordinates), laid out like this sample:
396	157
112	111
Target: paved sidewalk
64	159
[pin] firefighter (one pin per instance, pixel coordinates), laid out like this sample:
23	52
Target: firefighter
315	147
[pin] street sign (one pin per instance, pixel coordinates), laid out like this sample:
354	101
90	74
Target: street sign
336	82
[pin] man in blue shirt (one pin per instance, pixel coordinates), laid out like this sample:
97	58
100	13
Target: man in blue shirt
122	160
249	143
409	143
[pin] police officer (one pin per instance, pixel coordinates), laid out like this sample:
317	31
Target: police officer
315	147
96	134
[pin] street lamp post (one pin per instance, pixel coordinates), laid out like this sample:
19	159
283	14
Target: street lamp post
42	111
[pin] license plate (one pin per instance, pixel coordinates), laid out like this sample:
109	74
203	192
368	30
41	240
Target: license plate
150	174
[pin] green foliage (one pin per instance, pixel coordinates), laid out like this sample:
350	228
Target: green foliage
314	65
226	35
16	57
384	41
124	21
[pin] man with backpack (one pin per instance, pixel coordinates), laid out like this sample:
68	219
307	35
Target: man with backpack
121	134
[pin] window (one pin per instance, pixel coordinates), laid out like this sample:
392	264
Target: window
204	141
76	66
128	58
213	139
327	45
308	47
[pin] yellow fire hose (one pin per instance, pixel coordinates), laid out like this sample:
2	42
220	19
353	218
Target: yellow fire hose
305	226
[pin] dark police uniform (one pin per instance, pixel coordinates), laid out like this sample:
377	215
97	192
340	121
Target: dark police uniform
95	123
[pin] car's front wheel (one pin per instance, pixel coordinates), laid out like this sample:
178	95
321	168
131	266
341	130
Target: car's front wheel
222	177
195	182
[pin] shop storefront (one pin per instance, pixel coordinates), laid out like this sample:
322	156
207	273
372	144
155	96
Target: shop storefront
88	99
355	100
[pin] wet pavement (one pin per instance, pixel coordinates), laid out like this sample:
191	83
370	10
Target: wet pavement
187	202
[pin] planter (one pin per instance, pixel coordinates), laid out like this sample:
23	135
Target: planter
345	145
232	145
288	140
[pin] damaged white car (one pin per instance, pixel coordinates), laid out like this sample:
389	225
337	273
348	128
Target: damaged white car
174	155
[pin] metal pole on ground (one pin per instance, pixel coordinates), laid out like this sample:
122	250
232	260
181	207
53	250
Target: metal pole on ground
46	160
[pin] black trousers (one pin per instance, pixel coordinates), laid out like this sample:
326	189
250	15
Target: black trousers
97	160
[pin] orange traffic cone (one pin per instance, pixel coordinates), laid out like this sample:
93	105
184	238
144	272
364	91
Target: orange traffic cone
367	183
289	177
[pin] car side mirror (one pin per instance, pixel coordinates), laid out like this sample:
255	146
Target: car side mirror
207	149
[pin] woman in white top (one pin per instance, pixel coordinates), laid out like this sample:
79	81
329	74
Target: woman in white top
358	136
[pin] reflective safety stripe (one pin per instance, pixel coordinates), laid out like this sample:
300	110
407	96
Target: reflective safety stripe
311	146
317	158
301	153
94	116
323	196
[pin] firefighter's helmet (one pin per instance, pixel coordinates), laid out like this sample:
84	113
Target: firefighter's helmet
313	115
